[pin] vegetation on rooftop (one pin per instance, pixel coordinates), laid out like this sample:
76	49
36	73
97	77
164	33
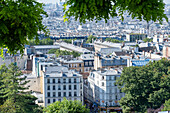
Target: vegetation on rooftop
113	40
64	52
90	38
147	40
44	41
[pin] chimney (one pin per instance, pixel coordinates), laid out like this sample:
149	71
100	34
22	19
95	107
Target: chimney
144	53
150	54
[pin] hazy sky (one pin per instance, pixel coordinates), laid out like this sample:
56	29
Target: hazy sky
54	1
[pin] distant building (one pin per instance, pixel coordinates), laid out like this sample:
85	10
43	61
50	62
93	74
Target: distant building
137	62
109	61
88	60
166	51
133	37
45	48
58	82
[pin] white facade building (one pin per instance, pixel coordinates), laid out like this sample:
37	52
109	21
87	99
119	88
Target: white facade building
102	88
58	83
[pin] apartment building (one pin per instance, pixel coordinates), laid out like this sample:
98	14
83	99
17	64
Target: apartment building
102	89
59	82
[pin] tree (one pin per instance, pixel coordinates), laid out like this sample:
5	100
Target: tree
44	41
145	87
20	20
66	106
166	106
147	40
113	40
84	10
52	51
90	38
64	52
16	100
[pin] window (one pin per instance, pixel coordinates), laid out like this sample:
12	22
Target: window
59	100
110	77
53	80
86	63
114	77
48	80
75	98
90	63
59	81
69	80
74	80
48	88
64	87
59	94
54	100
79	65
102	83
59	87
116	97
53	87
75	86
69	65
102	77
48	94
80	93
69	87
48	101
64	94
70	94
54	94
80	86
115	90
75	93
64	80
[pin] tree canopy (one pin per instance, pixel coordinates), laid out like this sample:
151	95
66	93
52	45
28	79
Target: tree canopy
13	97
147	40
90	38
20	20
64	52
44	41
166	106
84	10
113	40
66	106
145	87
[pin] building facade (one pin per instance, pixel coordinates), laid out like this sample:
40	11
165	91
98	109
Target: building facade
61	83
102	89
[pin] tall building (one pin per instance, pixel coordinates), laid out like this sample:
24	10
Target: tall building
59	82
102	89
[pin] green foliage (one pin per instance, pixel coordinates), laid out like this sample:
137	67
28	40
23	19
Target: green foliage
12	95
61	52
113	40
52	51
166	106
84	10
68	40
66	106
147	40
145	87
89	39
44	41
20	20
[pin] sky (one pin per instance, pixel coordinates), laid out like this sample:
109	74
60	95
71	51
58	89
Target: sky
54	1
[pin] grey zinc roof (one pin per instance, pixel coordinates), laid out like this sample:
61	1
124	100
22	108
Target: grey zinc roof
47	46
107	51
